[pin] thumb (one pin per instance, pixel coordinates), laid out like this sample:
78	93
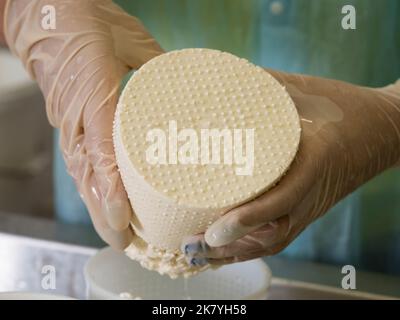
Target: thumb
98	118
267	208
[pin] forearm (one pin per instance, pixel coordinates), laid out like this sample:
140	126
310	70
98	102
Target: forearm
2	9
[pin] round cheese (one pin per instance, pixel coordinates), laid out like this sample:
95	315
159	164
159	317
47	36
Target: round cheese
196	133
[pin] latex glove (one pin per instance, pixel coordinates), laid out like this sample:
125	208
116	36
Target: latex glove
349	135
2	7
79	67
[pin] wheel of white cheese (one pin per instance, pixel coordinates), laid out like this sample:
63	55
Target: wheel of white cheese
177	183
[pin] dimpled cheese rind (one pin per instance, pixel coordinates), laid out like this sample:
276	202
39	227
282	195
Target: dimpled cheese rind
159	225
202	88
199	89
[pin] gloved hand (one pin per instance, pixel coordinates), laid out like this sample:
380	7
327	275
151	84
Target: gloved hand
349	135
2	7
79	67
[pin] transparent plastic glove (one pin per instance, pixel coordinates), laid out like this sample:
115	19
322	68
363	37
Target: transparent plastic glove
349	135
79	67
2	7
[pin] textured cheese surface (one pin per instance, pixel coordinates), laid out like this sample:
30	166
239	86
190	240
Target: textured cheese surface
197	89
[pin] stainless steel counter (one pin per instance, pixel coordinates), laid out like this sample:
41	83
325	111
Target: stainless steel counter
25	261
28	245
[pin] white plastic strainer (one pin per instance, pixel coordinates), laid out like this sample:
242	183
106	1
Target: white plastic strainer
109	274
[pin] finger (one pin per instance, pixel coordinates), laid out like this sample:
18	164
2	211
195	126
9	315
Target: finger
275	246
259	240
205	253
270	206
275	249
196	246
98	121
248	256
230	260
90	194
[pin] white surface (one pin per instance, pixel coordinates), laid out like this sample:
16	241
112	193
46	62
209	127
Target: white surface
109	273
